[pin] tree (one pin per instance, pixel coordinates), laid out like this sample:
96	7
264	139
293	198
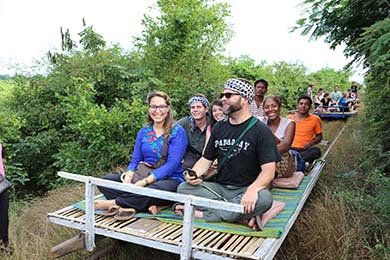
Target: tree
364	26
182	46
342	21
326	78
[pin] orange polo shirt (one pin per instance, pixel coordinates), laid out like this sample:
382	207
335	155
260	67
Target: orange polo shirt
305	130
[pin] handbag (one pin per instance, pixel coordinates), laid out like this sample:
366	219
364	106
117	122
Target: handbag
286	166
143	169
5	184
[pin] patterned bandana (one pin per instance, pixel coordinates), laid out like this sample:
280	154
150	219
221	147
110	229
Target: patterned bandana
200	99
244	89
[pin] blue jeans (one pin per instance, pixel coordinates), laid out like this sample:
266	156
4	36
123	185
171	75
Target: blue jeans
300	162
309	154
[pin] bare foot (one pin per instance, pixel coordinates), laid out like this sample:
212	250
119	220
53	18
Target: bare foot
156	209
179	210
104	204
251	223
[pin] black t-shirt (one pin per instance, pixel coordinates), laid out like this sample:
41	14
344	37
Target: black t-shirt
243	166
354	89
325	102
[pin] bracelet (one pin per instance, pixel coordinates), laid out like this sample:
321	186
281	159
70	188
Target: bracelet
124	174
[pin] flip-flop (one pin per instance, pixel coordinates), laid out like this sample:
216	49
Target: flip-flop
258	222
112	210
174	208
125	214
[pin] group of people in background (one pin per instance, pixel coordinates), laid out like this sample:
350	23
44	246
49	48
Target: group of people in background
335	101
225	150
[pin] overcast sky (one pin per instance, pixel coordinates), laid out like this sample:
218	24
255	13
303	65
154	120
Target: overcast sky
30	28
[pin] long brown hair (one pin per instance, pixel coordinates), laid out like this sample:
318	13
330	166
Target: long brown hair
168	122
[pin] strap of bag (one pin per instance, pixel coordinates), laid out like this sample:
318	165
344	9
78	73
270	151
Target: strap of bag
163	158
251	123
165	148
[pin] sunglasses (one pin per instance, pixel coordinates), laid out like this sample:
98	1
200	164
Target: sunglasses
227	95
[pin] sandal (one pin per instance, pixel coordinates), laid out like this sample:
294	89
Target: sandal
125	214
174	208
112	210
258	222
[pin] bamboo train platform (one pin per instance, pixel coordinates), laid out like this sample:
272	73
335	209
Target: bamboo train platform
336	114
184	239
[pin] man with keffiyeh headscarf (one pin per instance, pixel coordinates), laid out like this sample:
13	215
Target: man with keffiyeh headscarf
247	166
195	125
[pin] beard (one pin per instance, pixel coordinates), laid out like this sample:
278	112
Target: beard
233	108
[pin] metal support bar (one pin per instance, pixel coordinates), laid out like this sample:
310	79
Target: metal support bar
167	195
189	211
90	219
188	228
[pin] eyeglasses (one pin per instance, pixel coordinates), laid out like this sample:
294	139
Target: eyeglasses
227	95
162	108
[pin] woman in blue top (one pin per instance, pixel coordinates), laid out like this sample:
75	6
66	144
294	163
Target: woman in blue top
148	148
343	103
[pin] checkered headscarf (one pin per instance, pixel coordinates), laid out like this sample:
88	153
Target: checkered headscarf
244	89
200	99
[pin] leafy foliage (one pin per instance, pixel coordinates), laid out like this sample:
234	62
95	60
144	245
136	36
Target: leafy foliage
364	27
342	21
181	46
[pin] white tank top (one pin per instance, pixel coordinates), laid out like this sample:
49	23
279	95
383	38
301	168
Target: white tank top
284	122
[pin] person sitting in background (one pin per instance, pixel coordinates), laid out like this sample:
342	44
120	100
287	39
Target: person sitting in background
261	87
353	100
4	219
308	130
148	149
195	127
343	103
335	94
326	103
354	90
216	115
309	90
318	98
283	128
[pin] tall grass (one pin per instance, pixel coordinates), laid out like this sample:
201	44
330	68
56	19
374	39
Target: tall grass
329	226
32	236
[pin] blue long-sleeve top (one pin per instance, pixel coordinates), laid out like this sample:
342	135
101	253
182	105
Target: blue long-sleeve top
148	148
343	102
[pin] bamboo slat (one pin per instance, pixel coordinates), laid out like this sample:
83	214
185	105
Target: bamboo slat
219	243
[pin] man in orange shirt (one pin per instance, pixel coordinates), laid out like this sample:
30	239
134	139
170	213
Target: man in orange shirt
308	131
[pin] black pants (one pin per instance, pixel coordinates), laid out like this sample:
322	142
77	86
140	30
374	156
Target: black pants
138	202
310	154
4	204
